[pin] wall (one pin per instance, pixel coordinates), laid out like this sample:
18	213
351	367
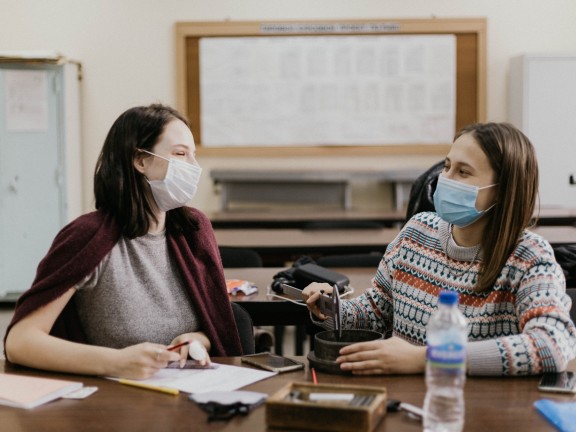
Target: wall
127	51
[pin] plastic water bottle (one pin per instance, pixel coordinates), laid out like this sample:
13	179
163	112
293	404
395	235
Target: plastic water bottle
446	338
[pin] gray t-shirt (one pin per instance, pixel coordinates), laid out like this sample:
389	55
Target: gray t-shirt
135	295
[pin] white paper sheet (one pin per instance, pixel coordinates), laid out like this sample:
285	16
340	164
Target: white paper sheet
327	90
221	378
26	100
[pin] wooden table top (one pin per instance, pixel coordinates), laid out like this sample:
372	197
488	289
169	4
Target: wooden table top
293	238
329	239
300	218
492	404
360	279
266	310
270	217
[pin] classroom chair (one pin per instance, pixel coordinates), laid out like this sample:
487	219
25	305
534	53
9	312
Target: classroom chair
233	257
421	198
245	328
572	293
342	224
371	259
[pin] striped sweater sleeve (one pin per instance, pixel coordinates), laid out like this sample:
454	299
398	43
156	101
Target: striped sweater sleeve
547	338
373	309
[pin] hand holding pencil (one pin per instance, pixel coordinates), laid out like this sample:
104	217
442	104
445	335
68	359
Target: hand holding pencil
140	361
194	347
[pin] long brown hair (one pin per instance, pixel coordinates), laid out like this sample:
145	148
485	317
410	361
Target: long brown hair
119	188
513	159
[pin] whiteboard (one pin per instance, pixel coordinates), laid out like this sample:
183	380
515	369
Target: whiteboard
327	90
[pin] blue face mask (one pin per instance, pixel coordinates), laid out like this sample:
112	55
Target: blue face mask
455	202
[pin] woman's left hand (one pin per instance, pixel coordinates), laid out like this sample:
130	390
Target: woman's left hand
389	356
190	337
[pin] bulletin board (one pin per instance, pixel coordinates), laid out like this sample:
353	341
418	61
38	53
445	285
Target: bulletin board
206	50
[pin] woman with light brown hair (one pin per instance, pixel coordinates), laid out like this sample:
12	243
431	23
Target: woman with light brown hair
477	243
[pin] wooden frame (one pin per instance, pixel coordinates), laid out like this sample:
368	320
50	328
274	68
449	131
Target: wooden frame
470	73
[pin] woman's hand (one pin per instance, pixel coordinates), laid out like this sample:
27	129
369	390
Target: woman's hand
312	293
143	360
389	356
185	350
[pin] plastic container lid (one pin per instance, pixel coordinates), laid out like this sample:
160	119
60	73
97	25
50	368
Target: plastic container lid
448	298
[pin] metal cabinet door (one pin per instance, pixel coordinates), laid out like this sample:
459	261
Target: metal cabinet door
31	171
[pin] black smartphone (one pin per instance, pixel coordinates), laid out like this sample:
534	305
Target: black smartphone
272	362
563	382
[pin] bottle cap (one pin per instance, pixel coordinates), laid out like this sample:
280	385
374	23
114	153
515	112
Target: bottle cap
448	298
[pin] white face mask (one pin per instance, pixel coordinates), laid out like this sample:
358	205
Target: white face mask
178	187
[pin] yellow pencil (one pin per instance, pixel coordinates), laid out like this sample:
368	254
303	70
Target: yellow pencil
139	384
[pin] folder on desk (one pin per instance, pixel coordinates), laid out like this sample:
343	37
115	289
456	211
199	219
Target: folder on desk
28	392
560	414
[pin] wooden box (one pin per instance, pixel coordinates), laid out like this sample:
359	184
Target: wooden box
292	407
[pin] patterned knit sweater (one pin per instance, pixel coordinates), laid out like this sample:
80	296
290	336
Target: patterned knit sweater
521	326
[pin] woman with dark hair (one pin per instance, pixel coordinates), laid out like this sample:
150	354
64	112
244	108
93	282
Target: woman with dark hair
121	285
511	289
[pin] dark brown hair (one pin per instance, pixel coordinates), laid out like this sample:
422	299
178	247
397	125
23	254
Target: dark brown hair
119	188
513	159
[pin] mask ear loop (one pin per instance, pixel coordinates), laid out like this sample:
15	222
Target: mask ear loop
153	154
489	186
492	206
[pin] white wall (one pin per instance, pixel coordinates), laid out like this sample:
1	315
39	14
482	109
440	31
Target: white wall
127	51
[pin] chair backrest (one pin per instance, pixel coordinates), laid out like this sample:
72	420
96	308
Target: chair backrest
422	191
245	328
239	257
352	260
342	224
566	257
572	293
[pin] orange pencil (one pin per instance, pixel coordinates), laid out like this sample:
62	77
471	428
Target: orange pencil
314	379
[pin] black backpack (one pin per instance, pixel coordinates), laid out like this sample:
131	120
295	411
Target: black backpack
422	191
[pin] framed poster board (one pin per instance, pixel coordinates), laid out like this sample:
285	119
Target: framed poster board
242	58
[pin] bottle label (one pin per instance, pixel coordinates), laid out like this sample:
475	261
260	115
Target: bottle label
446	356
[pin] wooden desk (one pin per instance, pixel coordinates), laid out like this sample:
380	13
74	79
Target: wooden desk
556	217
557	235
268	311
360	240
277	246
302	218
493	404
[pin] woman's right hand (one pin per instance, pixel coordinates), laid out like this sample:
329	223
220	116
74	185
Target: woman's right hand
312	293
143	360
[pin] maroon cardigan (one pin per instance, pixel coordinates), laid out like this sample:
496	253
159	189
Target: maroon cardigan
81	245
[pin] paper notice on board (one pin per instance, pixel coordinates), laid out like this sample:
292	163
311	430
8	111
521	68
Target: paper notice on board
26	100
328	90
